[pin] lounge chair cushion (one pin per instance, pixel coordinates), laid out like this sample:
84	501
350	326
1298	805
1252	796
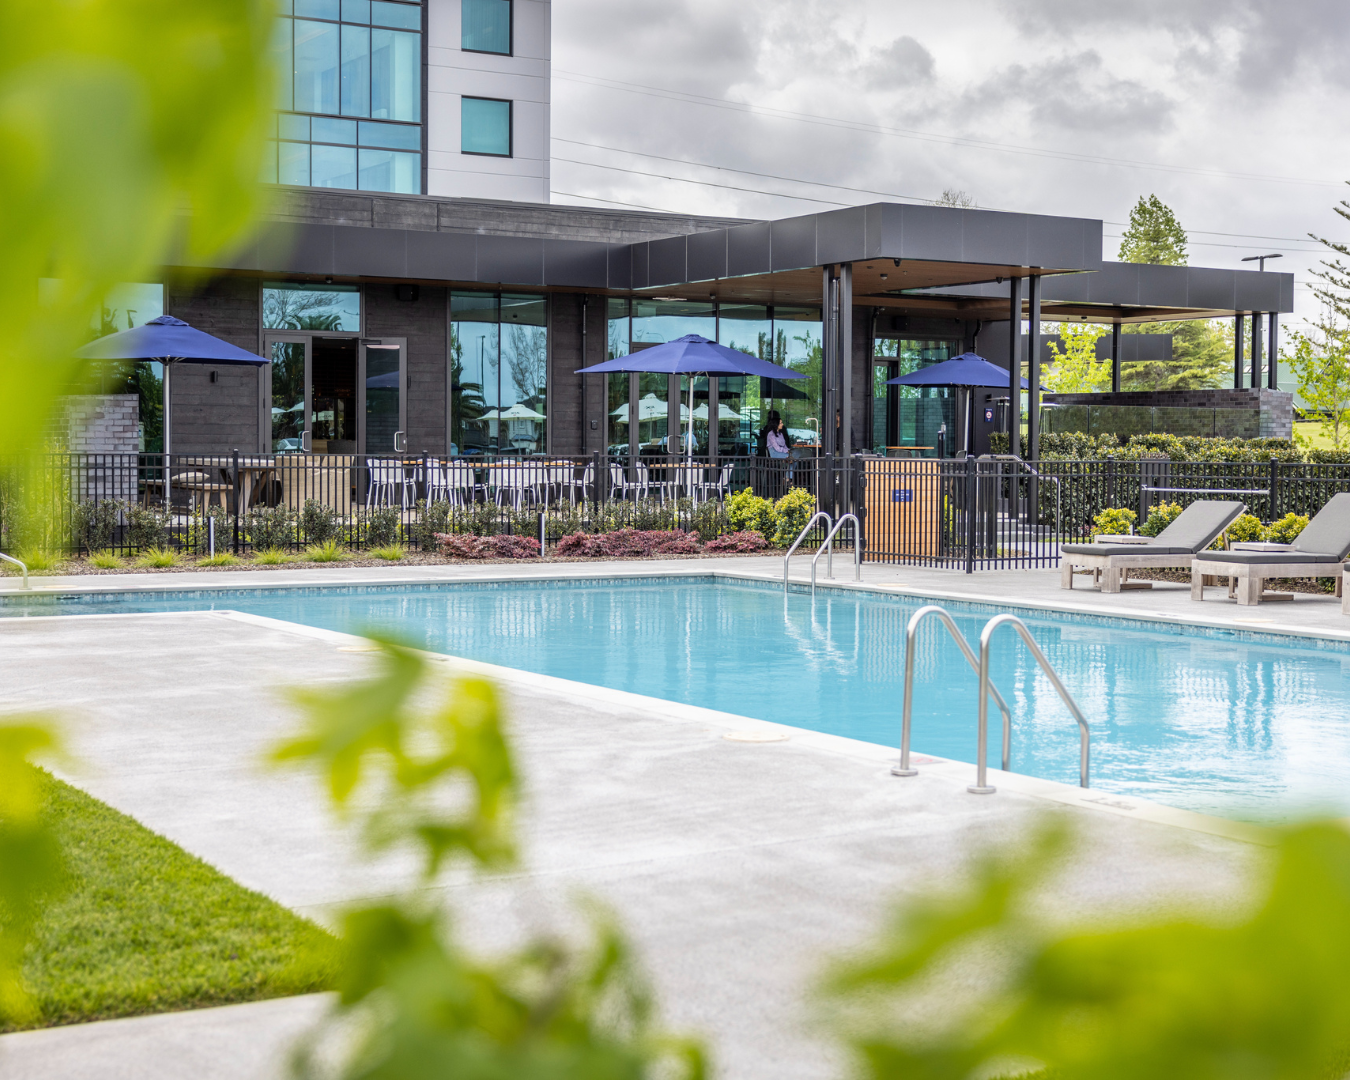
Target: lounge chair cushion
1200	524
1329	532
1123	549
1276	558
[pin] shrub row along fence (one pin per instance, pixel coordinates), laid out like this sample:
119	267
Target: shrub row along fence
73	503
974	514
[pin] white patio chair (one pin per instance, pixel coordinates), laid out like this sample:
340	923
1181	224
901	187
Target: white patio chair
463	483
643	482
514	482
719	483
618	481
563	476
385	474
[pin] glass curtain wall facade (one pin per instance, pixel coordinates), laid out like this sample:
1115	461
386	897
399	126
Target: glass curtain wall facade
910	417
350	95
787	336
499	372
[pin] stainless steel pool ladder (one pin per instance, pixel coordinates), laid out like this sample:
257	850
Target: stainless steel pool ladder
797	543
986	688
21	566
828	548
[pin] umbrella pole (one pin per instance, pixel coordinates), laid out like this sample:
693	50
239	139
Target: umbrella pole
690	451
165	418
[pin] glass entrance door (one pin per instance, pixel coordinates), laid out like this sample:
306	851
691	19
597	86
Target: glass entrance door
383	385
290	392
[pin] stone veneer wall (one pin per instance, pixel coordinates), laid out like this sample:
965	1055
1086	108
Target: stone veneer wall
107	426
1276	407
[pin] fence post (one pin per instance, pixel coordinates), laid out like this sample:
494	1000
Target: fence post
1274	488
234	480
543	537
970	514
1143	495
595	473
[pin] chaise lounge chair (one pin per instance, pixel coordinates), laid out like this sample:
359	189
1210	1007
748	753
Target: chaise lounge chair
1317	552
1195	528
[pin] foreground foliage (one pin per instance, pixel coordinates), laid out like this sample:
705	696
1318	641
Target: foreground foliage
444	785
980	984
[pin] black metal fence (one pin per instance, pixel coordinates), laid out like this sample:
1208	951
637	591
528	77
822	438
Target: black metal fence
240	502
975	514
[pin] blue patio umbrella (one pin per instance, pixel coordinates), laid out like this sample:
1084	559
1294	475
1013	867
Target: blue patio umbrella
966	370
169	341
692	355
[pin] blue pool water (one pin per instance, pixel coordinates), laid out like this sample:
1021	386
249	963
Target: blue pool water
1242	724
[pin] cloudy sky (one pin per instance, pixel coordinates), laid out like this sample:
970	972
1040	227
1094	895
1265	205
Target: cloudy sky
1234	112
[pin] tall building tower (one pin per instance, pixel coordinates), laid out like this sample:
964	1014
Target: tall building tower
437	97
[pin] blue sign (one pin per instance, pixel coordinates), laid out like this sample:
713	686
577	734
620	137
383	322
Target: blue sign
988	416
902	495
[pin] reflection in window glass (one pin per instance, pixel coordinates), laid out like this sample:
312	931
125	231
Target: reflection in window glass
285	63
404	16
395	75
917	412
798	344
386	170
333	166
316	66
499	372
485	26
288	396
656	321
740	412
293	163
355	71
485	126
290	306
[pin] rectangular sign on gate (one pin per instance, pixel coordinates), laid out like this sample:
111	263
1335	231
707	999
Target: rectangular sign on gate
902	495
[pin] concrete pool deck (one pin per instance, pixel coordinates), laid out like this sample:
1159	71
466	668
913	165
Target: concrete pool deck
737	867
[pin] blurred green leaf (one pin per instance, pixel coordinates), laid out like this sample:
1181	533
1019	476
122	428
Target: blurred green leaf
30	859
978	984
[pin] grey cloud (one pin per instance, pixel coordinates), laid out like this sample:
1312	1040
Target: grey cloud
903	62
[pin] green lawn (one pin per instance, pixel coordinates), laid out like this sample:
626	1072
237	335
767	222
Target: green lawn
144	927
1312	429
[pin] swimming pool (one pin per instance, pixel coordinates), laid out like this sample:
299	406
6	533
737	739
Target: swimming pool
1238	723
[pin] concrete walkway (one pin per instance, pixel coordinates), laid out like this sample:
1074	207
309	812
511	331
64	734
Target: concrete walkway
737	867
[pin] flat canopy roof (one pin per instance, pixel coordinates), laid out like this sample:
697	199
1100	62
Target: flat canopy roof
953	255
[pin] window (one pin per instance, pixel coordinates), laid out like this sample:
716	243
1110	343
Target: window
485	26
499	372
288	306
485	126
349	58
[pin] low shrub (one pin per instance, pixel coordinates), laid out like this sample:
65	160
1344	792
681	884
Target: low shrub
105	560
271	557
270	527
39	561
94	523
1246	529
221	558
1286	530
1114	521
791	513
629	543
390	553
198	539
431	521
147	528
747	512
383	527
737	541
1161	516
710	520
318	523
468	546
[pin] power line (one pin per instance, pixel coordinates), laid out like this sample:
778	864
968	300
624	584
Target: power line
911	133
703	183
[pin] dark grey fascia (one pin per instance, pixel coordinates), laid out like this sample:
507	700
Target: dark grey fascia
1142	285
878	231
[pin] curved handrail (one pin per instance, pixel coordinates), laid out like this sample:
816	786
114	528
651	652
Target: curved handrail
980	787
20	565
911	631
1059	488
800	537
828	547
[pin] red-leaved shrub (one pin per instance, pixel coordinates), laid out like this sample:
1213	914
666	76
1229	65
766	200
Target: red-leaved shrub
748	540
626	543
465	546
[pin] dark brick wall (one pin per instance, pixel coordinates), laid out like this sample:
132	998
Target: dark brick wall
1274	408
215	418
569	416
423	323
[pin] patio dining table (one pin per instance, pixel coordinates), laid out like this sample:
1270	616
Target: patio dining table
255	473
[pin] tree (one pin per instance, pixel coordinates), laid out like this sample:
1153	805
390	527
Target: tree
295	309
1335	274
955	197
1321	363
1202	356
1154	235
1075	368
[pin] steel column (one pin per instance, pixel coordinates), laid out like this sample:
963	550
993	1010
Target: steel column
1256	350
1033	367
1273	350
1014	365
1115	357
828	337
844	294
1239	328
